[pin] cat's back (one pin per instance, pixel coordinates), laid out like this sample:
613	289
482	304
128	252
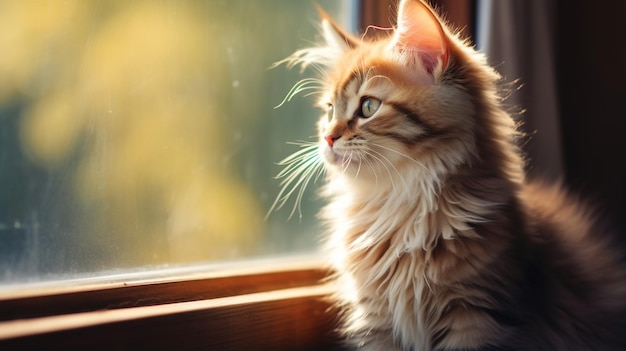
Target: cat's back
577	279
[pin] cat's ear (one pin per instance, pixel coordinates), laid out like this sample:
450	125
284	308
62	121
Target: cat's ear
334	35
336	43
420	40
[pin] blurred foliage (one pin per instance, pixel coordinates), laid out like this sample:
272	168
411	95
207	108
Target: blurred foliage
142	132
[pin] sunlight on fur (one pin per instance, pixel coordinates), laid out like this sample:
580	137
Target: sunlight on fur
438	240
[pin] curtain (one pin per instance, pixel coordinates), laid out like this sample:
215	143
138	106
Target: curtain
518	38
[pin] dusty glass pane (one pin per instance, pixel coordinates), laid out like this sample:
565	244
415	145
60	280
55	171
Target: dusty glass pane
143	133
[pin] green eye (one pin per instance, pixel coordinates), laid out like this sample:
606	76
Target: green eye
369	106
330	112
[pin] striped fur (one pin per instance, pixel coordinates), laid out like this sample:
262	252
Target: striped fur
438	240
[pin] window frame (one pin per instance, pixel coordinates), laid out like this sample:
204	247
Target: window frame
276	304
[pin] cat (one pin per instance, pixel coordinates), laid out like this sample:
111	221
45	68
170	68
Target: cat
438	239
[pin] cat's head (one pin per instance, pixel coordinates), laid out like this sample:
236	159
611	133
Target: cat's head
406	111
400	104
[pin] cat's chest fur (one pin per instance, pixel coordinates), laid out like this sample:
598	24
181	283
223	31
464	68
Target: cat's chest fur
404	258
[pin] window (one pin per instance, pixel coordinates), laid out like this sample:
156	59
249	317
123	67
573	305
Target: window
144	133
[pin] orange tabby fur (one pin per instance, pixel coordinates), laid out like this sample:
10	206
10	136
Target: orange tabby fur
438	240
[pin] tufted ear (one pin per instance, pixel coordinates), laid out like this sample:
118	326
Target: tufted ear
420	40
334	35
336	43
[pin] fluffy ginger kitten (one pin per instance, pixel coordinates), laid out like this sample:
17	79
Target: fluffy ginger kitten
437	239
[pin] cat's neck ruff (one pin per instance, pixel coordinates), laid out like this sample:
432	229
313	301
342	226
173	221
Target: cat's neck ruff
414	211
382	224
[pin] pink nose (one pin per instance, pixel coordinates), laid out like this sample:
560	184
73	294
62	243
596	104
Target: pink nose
330	140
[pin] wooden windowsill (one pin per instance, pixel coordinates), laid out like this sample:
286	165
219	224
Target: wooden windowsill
271	305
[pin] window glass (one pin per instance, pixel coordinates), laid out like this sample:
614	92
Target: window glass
144	133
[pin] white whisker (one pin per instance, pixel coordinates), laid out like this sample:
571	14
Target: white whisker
371	166
358	170
302	85
381	160
346	162
379	76
401	154
299	168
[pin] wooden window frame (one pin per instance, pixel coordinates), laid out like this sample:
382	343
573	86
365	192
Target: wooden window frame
274	304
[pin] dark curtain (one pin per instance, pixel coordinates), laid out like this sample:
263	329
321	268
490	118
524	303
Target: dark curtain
518	37
591	72
569	57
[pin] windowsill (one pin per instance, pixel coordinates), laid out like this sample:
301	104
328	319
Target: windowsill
273	304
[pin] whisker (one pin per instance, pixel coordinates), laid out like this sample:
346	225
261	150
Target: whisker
307	149
299	168
385	158
380	160
346	162
358	170
318	92
308	176
401	154
300	86
371	166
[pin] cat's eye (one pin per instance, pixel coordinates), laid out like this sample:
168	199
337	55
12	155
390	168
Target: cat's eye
330	112
369	106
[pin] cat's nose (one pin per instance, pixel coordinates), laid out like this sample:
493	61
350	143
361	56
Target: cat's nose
330	139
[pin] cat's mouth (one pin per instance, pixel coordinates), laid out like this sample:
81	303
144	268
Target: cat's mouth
337	157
